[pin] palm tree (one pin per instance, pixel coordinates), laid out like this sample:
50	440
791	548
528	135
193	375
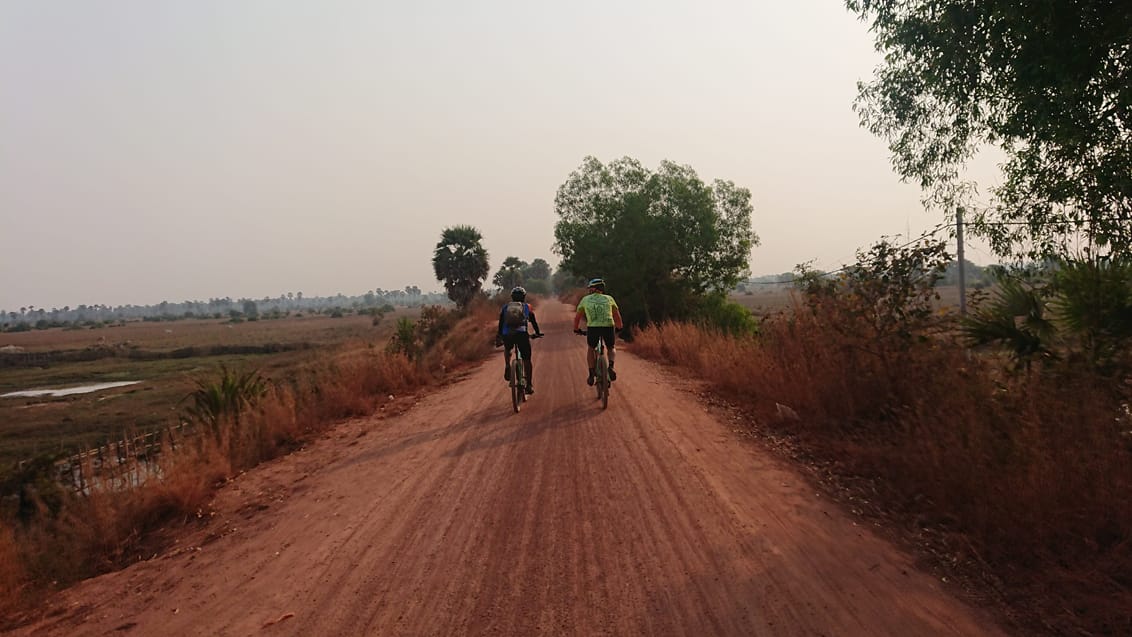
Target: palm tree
460	262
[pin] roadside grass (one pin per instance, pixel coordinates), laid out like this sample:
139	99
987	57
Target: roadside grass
53	537
1022	478
13	578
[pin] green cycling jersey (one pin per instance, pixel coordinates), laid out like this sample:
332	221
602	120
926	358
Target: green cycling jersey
598	309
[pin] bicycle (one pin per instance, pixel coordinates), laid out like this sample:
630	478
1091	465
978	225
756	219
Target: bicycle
518	377
601	370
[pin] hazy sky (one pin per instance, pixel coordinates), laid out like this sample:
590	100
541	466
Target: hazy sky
159	150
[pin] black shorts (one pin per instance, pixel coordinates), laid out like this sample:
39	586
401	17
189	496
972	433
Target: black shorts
522	340
607	334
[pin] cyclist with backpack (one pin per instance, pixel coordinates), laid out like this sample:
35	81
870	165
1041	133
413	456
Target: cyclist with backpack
602	318
513	320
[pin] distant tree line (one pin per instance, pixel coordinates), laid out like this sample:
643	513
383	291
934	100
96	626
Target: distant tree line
286	304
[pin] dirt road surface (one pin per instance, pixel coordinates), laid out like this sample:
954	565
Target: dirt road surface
461	518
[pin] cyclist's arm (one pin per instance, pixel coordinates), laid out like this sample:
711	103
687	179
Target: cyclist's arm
578	318
534	321
502	313
617	318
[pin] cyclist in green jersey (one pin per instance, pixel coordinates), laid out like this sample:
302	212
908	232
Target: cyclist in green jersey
603	318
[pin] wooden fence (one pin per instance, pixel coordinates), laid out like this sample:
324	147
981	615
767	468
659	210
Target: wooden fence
124	464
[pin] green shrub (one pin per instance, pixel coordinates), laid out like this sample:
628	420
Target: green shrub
716	312
224	399
404	339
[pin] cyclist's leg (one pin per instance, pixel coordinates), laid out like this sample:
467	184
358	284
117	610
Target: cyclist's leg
508	343
523	342
591	355
609	335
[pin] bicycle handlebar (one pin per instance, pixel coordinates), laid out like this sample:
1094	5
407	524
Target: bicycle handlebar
499	341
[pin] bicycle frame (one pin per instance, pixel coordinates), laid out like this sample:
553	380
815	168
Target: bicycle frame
601	372
518	382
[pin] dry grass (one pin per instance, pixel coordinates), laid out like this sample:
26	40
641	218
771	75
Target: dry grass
13	578
1022	477
67	537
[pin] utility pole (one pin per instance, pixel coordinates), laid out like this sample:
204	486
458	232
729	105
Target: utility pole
962	268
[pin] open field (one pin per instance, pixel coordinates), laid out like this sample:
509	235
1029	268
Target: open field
764	300
168	335
50	425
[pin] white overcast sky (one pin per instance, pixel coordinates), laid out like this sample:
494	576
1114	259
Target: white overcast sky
159	150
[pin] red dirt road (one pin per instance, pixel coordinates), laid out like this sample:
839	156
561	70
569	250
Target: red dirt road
461	518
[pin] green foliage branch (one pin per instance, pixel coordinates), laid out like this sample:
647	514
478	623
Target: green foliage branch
1046	82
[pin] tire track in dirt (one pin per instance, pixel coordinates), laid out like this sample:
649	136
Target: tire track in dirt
461	518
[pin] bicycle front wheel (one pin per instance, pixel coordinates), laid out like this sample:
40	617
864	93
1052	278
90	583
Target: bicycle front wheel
517	395
602	373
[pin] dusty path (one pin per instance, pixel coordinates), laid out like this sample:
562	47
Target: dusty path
460	517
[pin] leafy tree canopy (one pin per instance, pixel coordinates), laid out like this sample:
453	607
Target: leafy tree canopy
514	271
460	262
510	273
1049	82
663	240
538	269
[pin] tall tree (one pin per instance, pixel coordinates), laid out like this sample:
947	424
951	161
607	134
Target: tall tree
460	262
662	240
510	273
538	269
1048	82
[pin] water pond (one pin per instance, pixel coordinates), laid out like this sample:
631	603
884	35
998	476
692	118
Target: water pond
67	391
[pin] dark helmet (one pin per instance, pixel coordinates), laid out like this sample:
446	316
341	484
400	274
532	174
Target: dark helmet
598	283
518	293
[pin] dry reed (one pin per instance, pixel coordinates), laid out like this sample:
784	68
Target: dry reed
1026	477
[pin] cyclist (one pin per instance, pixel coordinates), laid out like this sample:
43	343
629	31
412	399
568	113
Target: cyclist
602	318
513	320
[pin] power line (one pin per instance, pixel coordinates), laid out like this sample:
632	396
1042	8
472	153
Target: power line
926	234
947	225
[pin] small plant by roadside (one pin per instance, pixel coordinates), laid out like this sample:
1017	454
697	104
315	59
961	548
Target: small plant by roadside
888	294
405	340
1074	311
225	399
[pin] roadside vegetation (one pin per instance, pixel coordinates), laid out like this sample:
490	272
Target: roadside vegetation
166	358
238	416
1000	444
